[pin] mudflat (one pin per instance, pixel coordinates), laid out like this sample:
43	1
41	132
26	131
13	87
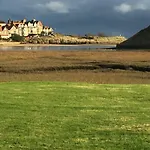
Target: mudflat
114	67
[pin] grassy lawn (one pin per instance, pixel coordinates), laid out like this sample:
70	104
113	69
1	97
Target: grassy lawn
58	115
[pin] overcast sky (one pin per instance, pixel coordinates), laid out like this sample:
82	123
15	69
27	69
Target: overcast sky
113	17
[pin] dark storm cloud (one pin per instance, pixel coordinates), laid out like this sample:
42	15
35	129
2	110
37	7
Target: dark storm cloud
113	17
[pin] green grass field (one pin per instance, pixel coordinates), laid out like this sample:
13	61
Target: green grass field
58	115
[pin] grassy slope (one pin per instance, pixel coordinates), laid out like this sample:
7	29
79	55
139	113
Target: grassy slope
45	115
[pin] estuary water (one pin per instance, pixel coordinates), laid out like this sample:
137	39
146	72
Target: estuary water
59	48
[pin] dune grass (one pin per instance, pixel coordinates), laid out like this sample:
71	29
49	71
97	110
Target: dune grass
58	115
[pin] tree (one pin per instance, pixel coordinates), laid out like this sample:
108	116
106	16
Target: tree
89	36
17	38
43	33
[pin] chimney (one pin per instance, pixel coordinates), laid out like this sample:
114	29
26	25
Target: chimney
9	21
24	20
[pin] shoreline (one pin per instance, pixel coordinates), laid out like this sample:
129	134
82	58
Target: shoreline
9	44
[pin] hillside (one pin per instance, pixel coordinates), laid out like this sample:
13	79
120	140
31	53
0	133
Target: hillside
140	40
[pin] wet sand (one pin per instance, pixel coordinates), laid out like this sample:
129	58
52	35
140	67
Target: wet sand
14	44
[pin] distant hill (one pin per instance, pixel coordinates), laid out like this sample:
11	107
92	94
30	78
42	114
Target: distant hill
140	40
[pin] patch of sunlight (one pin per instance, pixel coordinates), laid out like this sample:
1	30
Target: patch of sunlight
19	97
91	110
133	128
98	99
119	100
24	92
132	91
125	119
81	140
45	86
104	128
18	90
114	88
119	88
43	89
95	138
140	127
116	106
84	86
65	119
145	85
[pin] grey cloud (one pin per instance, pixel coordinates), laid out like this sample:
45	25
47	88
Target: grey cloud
112	17
127	7
55	6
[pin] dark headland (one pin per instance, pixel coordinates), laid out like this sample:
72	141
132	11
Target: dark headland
140	40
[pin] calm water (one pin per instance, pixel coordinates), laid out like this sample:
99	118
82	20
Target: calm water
76	47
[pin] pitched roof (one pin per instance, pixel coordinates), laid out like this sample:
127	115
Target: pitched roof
4	27
40	23
46	27
16	25
9	27
17	22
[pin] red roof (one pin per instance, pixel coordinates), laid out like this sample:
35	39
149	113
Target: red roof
40	23
46	27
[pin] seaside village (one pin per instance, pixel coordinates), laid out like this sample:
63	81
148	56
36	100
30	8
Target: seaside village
23	28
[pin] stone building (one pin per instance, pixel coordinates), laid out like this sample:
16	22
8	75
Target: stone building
24	28
4	33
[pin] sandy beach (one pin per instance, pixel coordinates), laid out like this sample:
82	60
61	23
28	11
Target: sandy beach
9	44
28	44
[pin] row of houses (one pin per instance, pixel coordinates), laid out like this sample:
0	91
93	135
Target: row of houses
23	28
